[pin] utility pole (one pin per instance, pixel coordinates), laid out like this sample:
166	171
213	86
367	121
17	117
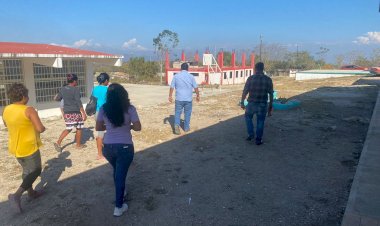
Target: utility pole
261	44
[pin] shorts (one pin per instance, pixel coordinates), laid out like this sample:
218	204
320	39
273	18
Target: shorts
99	134
30	163
73	120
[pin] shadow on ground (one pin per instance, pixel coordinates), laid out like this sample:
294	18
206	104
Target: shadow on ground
300	176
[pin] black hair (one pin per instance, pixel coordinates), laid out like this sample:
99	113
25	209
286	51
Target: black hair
117	103
102	78
71	78
185	66
16	92
259	67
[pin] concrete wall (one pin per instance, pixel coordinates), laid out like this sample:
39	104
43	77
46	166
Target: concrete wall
49	109
321	74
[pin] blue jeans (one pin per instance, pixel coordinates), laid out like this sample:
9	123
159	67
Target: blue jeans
187	106
120	156
260	110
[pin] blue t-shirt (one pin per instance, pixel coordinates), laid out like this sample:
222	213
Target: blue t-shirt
100	92
183	83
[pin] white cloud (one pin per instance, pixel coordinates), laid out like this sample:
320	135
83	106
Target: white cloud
132	45
82	42
139	47
372	37
55	44
79	44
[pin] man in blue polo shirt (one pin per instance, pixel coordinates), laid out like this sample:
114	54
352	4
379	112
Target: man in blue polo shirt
183	83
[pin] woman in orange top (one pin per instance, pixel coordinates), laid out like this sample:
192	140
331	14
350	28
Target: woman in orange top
24	128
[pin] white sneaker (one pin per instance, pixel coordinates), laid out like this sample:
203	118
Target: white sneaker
119	211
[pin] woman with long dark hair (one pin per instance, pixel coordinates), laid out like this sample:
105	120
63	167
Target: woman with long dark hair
118	117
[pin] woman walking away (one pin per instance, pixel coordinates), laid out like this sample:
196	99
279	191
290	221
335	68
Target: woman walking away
24	128
74	114
118	116
100	93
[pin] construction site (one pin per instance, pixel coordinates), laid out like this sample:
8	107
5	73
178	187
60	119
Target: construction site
302	175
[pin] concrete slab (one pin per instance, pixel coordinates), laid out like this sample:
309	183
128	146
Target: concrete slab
363	204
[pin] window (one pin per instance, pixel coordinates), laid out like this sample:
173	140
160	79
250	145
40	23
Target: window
10	72
48	80
195	74
241	73
230	74
236	74
225	75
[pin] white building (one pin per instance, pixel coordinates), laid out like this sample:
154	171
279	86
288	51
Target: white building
322	74
43	68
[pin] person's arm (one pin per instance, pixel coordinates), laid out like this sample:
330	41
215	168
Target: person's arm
100	125
79	103
270	107
197	93
170	95
32	114
58	96
195	86
135	121
136	126
244	94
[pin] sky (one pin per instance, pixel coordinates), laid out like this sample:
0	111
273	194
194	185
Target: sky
128	27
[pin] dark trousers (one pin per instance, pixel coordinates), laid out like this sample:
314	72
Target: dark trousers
31	169
120	156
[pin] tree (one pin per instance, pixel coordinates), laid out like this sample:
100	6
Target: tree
227	58
362	61
339	59
140	69
164	42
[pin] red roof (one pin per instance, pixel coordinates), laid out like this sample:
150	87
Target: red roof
15	49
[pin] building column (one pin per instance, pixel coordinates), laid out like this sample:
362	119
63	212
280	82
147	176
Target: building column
27	67
89	78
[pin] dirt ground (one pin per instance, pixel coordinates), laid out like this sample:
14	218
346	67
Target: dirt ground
301	175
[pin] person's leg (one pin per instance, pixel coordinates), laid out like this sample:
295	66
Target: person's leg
15	199
124	159
248	121
31	167
79	124
62	136
78	138
177	112
69	127
177	116
99	140
99	145
188	107
261	114
110	154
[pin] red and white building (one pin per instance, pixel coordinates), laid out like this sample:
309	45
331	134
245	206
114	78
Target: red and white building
214	72
43	68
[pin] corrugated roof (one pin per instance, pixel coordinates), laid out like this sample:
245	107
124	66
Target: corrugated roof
16	49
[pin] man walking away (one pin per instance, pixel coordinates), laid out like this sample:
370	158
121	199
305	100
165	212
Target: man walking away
258	86
183	83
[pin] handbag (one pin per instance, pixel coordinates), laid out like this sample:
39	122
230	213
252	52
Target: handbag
91	106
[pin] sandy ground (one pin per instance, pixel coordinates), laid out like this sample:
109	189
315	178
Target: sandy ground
210	176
